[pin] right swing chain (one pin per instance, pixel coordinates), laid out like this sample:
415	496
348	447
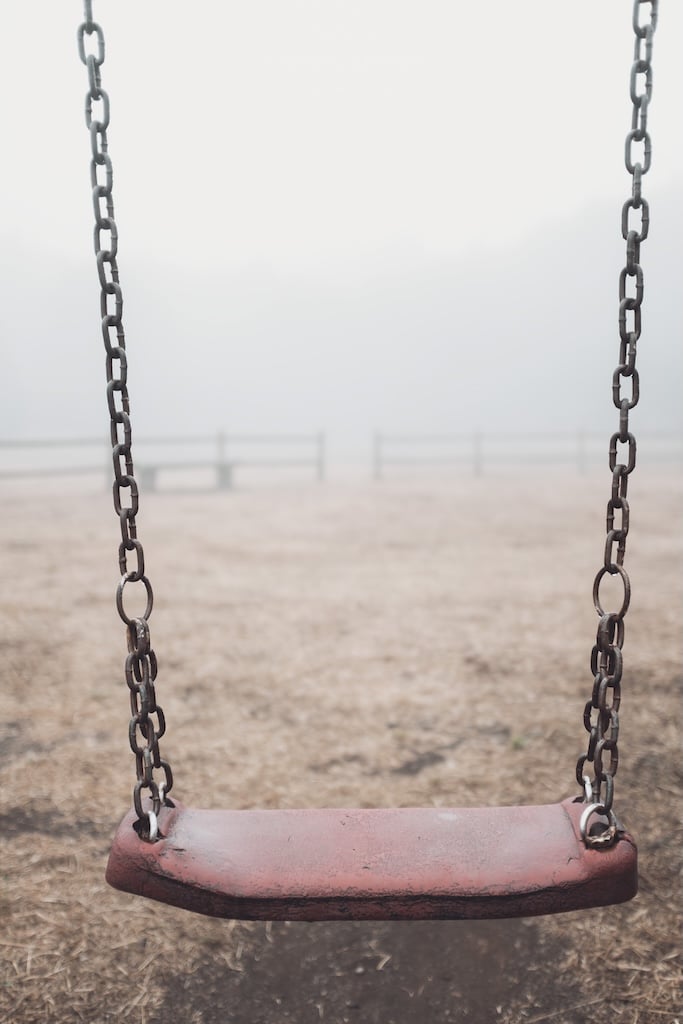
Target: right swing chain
601	714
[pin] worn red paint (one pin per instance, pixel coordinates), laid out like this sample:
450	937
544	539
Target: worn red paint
373	864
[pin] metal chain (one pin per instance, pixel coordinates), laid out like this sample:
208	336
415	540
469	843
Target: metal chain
601	714
147	724
601	718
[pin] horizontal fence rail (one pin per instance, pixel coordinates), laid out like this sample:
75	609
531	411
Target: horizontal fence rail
23	458
222	453
475	451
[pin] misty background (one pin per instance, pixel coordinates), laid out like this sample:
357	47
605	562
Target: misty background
339	216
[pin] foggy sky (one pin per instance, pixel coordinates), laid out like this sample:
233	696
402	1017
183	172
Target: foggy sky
338	216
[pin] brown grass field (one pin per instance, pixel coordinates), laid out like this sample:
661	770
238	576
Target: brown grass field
421	641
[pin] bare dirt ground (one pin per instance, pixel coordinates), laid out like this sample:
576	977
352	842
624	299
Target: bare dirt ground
420	641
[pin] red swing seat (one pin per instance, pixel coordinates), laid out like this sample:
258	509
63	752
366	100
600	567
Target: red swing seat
373	864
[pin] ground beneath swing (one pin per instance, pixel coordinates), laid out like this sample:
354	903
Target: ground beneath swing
421	641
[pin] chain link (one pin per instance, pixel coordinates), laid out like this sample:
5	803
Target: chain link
601	713
147	724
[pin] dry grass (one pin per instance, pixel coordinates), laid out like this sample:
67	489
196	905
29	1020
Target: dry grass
415	642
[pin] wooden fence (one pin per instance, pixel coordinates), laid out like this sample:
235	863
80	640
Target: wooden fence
221	453
474	452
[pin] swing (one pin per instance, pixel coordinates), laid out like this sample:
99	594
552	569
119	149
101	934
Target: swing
371	864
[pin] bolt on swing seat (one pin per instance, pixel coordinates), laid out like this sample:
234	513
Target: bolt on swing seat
371	864
374	864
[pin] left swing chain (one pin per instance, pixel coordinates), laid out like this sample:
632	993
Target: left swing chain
147	724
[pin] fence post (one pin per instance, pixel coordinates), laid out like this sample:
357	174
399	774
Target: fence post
224	476
377	456
148	478
320	461
223	467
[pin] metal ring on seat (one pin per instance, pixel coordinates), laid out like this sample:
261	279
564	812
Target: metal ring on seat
605	838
